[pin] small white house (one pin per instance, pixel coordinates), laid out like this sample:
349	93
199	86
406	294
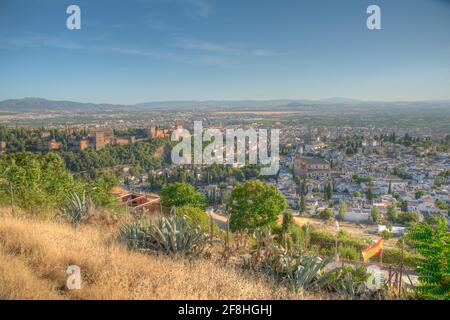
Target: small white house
396	231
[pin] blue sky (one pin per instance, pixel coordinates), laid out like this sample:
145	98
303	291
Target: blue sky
150	50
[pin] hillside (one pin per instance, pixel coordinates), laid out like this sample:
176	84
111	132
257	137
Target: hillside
35	254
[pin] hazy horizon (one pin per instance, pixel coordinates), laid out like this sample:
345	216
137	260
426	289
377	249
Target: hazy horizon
329	100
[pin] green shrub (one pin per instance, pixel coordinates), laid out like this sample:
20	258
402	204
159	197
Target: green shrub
276	229
254	205
432	241
394	256
350	253
326	214
300	237
35	182
197	216
342	210
407	218
358	272
327	252
386	234
288	221
296	233
182	194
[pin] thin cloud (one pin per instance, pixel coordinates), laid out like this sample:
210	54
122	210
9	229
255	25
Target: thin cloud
222	49
40	41
199	8
204	8
205	46
159	25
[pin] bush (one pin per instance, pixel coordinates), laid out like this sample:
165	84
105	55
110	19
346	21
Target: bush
392	213
37	182
326	214
386	234
432	241
300	237
394	256
342	210
182	194
350	253
254	205
374	215
197	217
406	218
288	221
276	229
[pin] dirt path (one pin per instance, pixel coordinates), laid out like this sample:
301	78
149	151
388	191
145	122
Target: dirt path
356	230
219	219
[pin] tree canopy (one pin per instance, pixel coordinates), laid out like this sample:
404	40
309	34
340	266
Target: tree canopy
41	181
432	241
182	194
253	205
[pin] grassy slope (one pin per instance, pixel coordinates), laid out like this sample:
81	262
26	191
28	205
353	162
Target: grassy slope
35	254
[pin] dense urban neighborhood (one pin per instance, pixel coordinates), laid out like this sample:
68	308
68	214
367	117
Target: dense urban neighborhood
375	175
345	196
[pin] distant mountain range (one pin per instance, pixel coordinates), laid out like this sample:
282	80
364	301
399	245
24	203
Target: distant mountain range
246	103
39	104
34	104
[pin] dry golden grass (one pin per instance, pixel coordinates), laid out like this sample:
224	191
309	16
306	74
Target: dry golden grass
35	254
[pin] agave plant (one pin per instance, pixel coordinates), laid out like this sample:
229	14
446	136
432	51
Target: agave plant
136	234
351	281
171	234
307	273
175	235
348	286
77	207
298	272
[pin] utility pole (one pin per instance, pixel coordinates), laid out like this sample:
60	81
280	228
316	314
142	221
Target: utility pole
11	195
337	252
401	269
337	236
228	233
210	224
